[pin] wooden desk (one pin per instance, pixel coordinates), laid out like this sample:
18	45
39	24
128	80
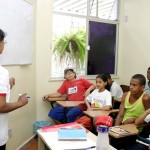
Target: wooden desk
62	98
44	140
66	104
93	113
52	100
128	127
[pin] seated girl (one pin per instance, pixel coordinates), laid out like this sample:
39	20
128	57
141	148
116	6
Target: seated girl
100	98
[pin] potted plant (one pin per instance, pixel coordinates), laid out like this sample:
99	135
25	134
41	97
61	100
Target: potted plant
70	48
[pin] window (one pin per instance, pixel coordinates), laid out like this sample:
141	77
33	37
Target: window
72	15
102	41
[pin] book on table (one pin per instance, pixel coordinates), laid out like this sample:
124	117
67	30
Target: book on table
75	134
118	130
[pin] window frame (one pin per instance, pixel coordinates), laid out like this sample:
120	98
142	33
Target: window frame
92	18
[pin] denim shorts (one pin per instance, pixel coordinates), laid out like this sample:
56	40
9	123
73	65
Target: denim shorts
58	113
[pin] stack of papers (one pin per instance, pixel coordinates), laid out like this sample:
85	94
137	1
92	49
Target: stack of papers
71	134
118	130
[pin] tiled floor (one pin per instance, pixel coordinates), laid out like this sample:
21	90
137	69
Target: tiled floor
32	145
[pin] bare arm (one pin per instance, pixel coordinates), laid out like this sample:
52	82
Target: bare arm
146	101
8	107
140	119
121	111
88	105
51	95
87	92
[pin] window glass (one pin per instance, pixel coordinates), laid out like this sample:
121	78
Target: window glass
102	42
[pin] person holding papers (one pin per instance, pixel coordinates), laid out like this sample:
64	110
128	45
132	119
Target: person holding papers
76	89
100	97
5	106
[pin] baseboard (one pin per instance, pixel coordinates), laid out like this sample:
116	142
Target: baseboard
26	142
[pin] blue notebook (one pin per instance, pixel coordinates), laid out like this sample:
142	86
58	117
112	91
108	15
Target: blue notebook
72	134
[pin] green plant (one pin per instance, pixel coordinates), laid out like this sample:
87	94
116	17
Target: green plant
71	48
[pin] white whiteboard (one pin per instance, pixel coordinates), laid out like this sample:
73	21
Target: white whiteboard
16	22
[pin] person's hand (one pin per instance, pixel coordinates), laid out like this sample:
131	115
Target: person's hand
149	147
148	111
44	97
23	100
11	82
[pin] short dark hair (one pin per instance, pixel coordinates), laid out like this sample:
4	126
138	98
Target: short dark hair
2	35
104	78
107	75
141	78
148	68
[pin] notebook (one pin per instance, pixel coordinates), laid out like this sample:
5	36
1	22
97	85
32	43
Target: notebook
75	134
118	130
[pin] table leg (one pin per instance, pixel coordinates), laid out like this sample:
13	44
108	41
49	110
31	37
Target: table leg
41	145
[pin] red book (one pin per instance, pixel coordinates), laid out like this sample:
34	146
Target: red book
56	127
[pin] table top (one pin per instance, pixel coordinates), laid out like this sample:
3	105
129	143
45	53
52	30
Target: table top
46	136
69	103
128	127
95	113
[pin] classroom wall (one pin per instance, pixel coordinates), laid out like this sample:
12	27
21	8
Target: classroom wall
134	38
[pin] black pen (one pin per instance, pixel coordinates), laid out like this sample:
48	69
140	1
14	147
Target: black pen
87	148
90	147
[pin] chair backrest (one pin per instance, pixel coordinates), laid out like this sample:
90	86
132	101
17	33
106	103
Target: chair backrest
125	88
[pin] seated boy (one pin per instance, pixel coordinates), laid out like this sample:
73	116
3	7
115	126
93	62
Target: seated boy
76	89
133	103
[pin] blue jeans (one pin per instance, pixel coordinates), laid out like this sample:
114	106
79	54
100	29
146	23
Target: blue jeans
72	113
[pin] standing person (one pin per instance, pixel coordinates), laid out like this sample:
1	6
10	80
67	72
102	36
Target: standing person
76	89
134	102
147	86
5	106
100	97
115	89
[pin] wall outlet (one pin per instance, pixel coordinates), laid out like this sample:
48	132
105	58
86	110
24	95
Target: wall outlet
10	133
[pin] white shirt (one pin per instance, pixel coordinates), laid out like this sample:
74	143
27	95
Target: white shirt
116	90
147	88
100	99
4	88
